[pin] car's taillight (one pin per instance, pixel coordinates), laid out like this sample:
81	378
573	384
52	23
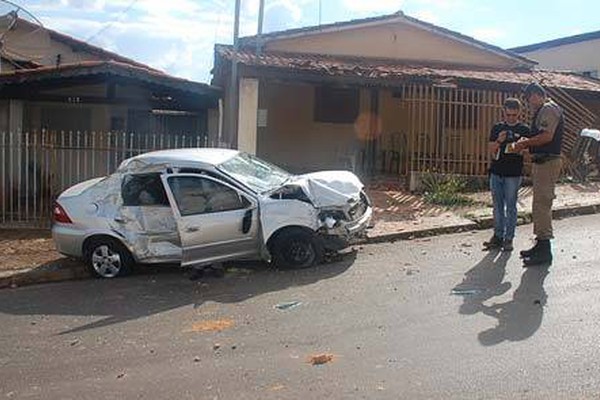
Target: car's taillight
60	215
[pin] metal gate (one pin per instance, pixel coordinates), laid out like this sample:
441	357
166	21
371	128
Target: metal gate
35	167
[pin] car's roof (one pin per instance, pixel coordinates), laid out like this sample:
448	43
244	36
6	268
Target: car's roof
179	157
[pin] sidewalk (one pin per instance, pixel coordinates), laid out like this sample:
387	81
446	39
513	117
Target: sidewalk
401	215
28	257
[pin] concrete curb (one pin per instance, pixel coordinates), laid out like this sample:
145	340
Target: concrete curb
68	269
409	235
559	213
57	271
480	224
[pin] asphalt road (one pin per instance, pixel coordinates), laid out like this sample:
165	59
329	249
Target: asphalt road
429	318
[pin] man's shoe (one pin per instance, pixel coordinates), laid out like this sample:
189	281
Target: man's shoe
507	245
542	257
494	243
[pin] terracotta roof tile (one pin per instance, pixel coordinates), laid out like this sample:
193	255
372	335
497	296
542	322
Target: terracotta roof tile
394	70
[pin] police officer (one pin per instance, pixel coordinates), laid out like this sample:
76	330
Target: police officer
544	145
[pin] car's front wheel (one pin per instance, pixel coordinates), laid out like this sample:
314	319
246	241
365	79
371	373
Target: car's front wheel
296	248
107	258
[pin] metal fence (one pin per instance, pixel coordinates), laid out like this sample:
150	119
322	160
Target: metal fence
35	167
447	130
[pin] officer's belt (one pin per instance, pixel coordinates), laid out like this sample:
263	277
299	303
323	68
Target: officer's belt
541	158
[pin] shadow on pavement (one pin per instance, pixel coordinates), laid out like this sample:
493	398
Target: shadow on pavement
587	188
160	290
521	317
483	281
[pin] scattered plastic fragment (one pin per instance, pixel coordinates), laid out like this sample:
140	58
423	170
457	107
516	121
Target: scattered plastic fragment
238	271
466	292
320	359
288	305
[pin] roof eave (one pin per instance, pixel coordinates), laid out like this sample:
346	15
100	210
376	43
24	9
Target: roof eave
110	68
79	44
386	19
564	41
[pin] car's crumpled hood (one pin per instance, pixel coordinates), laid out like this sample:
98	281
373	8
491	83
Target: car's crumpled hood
330	188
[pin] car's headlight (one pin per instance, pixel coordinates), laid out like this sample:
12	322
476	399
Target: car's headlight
331	218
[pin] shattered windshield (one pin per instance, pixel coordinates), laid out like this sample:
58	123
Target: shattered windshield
255	173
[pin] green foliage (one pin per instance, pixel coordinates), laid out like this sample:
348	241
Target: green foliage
444	190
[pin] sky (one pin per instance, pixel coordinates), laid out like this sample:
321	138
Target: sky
178	36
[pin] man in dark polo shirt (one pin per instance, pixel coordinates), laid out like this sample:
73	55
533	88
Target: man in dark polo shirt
506	172
544	145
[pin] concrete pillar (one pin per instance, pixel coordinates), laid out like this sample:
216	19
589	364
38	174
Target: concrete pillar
247	115
213	127
4	107
15	116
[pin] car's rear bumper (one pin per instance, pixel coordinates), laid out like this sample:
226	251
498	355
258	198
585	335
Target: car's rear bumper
68	241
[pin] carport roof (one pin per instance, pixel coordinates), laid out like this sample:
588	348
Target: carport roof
101	69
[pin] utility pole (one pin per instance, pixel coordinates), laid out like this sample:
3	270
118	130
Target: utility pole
232	135
261	14
320	11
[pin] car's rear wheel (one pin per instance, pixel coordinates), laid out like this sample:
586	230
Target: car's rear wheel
296	248
107	258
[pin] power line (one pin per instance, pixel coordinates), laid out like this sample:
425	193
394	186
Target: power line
121	14
20	8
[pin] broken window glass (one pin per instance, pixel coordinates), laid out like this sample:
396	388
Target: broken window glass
143	190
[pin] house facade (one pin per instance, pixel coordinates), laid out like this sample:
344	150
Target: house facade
390	95
70	111
51	81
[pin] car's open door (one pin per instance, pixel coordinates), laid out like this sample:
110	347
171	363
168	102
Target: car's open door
215	221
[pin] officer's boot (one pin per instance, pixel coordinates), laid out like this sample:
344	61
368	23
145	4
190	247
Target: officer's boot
529	252
542	256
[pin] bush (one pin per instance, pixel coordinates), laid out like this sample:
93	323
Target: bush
444	190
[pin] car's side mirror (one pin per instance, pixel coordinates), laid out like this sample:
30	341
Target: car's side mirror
245	202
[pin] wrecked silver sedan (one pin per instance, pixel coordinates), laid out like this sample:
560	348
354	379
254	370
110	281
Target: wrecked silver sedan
197	207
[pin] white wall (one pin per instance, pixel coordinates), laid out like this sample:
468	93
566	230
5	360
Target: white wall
578	57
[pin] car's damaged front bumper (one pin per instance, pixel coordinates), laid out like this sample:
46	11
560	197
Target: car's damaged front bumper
338	234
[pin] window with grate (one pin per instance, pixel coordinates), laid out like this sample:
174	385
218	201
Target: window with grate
336	105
